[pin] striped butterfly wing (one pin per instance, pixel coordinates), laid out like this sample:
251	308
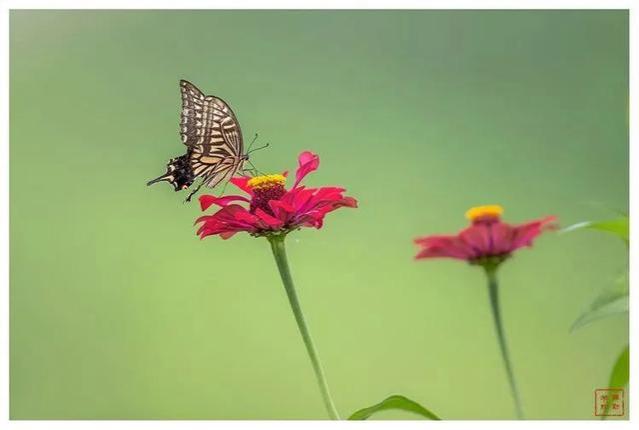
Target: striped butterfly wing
211	130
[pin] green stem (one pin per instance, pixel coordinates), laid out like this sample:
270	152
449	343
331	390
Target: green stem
279	252
493	289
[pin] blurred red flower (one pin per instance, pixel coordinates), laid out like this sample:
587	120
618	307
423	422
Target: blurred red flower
487	239
272	209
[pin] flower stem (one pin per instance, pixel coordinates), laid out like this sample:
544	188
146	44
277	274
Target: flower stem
279	252
493	287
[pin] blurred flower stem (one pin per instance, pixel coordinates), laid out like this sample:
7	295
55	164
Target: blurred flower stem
493	290
279	252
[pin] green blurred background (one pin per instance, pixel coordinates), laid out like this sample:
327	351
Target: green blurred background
119	311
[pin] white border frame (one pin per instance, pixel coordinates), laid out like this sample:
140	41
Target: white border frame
6	5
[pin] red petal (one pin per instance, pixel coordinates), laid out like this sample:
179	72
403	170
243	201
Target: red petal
241	183
281	209
502	238
310	205
349	202
443	247
227	221
307	163
207	200
270	221
477	237
524	234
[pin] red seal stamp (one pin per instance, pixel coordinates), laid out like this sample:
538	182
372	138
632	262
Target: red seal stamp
609	402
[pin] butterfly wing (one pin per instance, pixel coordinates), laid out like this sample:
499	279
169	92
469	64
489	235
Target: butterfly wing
211	129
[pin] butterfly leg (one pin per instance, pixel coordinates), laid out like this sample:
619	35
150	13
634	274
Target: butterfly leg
188	199
253	170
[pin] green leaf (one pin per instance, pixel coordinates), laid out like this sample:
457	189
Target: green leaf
620	373
620	227
394	402
621	370
612	301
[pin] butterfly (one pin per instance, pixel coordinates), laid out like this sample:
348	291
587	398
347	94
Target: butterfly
213	138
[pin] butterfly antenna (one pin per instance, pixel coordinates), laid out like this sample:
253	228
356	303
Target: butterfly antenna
252	142
257	149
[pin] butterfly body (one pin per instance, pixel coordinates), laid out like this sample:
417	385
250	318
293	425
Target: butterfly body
211	132
178	173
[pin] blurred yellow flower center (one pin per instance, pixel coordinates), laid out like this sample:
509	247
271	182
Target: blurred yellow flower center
266	181
488	211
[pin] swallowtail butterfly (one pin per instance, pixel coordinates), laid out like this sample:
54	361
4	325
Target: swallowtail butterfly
213	138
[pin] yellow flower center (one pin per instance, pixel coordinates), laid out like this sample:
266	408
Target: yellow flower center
488	211
265	181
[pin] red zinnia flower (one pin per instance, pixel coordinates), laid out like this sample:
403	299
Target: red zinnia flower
272	211
487	240
270	208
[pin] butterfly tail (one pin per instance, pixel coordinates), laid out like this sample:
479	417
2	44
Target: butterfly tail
166	177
